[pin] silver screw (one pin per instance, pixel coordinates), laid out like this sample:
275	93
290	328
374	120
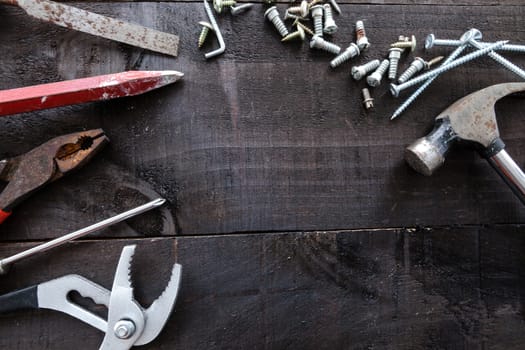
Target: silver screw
501	60
329	24
432	41
374	79
361	39
273	16
335	6
319	43
348	53
368	101
235	10
301	10
298	34
218	5
124	329
417	65
465	38
206	27
406	44
396	89
358	72
317	15
394	56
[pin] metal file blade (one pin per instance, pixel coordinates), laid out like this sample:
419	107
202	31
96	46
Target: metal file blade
103	26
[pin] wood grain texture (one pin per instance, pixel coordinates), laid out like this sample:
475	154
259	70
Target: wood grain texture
446	288
267	137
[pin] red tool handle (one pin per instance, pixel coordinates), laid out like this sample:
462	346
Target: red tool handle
4	215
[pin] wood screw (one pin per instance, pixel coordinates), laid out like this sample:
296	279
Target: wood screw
374	79
206	27
329	24
273	16
350	51
298	34
394	56
417	65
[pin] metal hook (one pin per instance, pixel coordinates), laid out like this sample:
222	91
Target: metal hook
222	46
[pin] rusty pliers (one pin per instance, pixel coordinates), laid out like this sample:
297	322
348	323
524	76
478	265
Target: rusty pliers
44	164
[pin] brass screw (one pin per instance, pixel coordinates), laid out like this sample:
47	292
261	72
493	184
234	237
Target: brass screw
218	5
206	27
405	44
313	3
305	28
299	33
301	10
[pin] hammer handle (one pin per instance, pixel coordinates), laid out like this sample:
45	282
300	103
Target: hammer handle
510	172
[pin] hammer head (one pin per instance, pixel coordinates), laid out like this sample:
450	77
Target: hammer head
471	119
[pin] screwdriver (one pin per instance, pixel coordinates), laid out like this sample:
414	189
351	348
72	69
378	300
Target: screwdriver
7	262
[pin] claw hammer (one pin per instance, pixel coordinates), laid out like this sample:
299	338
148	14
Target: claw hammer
471	120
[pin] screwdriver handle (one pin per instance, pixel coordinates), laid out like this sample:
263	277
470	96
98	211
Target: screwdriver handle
26	298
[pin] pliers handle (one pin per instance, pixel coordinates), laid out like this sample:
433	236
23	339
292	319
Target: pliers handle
44	164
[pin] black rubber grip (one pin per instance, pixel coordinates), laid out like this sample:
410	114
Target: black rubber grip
26	298
495	147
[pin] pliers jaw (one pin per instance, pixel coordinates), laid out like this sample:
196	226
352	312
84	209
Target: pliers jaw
46	163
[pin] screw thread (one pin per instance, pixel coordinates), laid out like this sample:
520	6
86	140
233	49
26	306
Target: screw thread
423	87
402	44
360	30
343	57
203	35
370	66
226	3
392	70
318	25
306	29
407	74
294	10
279	24
501	60
330	47
382	67
328	15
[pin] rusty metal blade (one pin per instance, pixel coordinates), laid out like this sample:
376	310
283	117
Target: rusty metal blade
102	87
103	26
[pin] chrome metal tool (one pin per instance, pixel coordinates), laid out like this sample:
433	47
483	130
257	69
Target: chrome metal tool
128	323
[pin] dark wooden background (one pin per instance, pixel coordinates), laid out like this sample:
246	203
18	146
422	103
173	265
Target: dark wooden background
291	209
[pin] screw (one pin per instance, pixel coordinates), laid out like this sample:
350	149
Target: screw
329	24
358	72
301	10
273	16
348	53
403	38
396	89
361	39
288	15
305	28
417	65
313	3
319	43
394	56
218	5
374	79
406	44
124	329
235	10
473	33
206	27
299	33
335	6
317	15
432	41
465	38
501	60
367	99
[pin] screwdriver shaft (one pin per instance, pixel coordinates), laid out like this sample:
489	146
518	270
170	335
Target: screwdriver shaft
6	262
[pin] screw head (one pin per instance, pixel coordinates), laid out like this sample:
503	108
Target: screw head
206	24
429	41
272	11
394	90
471	34
363	43
304	8
373	79
317	10
413	41
315	41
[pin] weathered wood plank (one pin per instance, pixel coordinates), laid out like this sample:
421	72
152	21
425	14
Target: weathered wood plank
455	288
266	137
